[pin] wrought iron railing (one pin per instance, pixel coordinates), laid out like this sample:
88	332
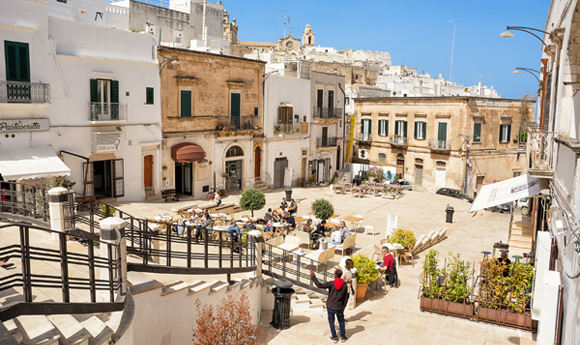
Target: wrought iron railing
444	145
326	142
24	202
327	113
24	92
236	123
279	263
540	150
104	111
398	140
92	273
364	136
287	128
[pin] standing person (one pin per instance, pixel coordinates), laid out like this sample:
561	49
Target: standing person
268	215
335	303
342	262
349	270
503	259
217	199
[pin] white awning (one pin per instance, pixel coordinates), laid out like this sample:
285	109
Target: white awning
506	191
285	104
31	162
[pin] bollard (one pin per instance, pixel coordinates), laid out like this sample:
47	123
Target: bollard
449	210
259	243
113	232
56	199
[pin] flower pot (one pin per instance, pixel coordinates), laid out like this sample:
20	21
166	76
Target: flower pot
505	317
222	192
441	306
361	291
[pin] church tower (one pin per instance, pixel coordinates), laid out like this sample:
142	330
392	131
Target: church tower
307	37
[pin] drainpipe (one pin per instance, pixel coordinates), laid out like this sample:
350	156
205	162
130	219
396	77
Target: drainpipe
343	124
545	66
204	26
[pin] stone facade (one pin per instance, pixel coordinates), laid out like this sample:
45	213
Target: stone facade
230	30
308	37
434	157
218	85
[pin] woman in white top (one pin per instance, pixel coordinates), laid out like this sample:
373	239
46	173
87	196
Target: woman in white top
336	236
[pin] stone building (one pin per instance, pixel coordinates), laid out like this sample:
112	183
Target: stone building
212	121
308	37
422	137
230	29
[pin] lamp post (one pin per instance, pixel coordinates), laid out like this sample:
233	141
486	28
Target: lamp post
467	138
164	63
528	70
507	33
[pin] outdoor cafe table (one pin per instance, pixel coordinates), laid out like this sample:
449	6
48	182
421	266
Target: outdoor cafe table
300	219
280	226
353	220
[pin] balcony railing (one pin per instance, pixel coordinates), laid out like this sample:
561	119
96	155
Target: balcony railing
398	140
327	113
100	111
364	136
540	152
326	142
237	123
440	145
24	92
287	128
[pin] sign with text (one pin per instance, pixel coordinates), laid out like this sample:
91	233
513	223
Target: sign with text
24	125
106	142
392	220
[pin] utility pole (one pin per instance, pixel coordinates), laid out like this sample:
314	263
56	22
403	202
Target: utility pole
452	47
467	138
286	24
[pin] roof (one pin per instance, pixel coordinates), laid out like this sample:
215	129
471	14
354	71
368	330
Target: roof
458	98
185	50
260	44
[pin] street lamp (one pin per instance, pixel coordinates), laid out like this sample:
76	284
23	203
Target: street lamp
164	63
529	70
467	138
507	33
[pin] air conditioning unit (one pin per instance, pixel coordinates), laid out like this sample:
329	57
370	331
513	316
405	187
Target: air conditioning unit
363	154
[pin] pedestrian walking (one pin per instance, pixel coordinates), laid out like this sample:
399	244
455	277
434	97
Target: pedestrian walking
335	303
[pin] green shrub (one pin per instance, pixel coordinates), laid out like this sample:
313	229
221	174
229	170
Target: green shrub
429	285
457	288
322	209
252	199
406	238
366	271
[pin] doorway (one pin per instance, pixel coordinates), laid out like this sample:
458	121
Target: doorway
400	165
103	179
148	171
183	178
419	175
234	171
257	163
280	166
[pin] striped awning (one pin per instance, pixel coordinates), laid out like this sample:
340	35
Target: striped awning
187	152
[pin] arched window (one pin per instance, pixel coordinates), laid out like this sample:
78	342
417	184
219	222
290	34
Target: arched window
234	151
418	161
441	164
310	40
383	158
400	159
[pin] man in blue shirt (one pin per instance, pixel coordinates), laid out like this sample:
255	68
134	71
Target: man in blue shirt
289	219
236	233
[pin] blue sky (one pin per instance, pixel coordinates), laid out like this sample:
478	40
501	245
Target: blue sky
415	33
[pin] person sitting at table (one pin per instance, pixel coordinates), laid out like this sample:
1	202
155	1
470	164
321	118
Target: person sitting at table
503	259
289	219
284	204
268	215
307	227
205	223
387	266
292	207
236	233
344	231
275	217
317	233
335	236
250	225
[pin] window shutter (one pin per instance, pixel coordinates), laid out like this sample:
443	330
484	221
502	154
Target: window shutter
94	91
114	91
396	127
362	126
119	178
23	66
255	111
442	135
150	95
416	130
509	130
477	132
10	56
500	132
17	61
404	129
185	103
370	126
387	127
88	172
424	130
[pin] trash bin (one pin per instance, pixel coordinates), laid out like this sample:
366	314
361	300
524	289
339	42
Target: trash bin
282	294
449	210
288	194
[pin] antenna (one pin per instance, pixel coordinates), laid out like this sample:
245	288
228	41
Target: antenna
286	21
452	46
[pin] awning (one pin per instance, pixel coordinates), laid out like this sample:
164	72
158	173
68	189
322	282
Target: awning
187	152
31	162
506	191
282	104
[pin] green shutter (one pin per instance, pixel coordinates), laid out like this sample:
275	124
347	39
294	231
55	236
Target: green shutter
370	126
255	111
362	126
416	130
114	91
387	127
442	135
500	132
424	130
235	105
149	95
397	127
404	129
23	65
185	103
477	132
509	130
94	91
17	61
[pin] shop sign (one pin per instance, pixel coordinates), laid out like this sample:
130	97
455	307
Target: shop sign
24	125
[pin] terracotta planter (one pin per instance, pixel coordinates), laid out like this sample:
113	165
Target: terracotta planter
361	291
441	306
222	192
505	317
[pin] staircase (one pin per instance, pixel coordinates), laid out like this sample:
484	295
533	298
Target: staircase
150	194
302	300
521	235
260	185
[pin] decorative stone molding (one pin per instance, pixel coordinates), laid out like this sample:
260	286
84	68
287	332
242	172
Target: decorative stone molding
478	118
442	116
383	114
401	114
421	115
506	118
234	84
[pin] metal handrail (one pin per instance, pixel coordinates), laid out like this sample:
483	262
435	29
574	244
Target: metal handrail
24	202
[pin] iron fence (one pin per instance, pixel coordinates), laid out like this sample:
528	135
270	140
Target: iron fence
24	202
327	113
105	111
326	142
24	92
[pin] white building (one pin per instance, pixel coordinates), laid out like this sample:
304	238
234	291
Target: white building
92	91
287	109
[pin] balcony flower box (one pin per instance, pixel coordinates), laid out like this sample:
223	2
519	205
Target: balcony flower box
505	317
441	306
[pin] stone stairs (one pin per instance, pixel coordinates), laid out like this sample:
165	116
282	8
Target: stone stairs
150	194
302	300
260	185
521	236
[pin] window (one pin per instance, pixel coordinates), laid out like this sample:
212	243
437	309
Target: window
330	99
477	132
401	128
383	128
441	164
347	100
517	173
504	133
234	151
185	103
383	158
285	114
420	130
365	128
149	95
255	111
104	99
17	61
442	133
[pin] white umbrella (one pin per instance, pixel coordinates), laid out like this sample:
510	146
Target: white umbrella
392	246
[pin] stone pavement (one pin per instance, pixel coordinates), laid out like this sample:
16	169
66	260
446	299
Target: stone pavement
390	316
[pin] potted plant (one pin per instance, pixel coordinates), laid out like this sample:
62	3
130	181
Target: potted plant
252	199
322	209
312	180
277	129
366	273
430	288
406	238
456	289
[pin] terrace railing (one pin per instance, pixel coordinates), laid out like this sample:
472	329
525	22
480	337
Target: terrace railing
326	142
24	202
540	151
327	113
107	111
24	92
237	123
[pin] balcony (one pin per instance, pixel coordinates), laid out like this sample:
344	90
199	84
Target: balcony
443	146
237	123
283	129
24	92
364	136
398	141
100	111
540	153
326	142
327	113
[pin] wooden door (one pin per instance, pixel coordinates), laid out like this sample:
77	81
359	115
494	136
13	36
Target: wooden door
148	171
257	162
419	175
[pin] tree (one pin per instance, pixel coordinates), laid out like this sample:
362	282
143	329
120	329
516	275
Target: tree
252	199
228	323
322	209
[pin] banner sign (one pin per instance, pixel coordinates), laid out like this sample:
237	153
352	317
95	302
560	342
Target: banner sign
24	125
392	220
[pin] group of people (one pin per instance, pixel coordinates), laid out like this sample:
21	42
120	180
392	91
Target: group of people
337	233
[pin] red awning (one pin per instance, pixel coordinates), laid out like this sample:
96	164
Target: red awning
187	152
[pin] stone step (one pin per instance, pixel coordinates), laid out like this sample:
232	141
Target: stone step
151	197
71	331
37	330
100	332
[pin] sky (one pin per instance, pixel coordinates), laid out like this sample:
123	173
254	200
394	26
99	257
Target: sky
416	33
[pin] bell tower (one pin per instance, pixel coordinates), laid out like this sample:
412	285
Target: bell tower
308	37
